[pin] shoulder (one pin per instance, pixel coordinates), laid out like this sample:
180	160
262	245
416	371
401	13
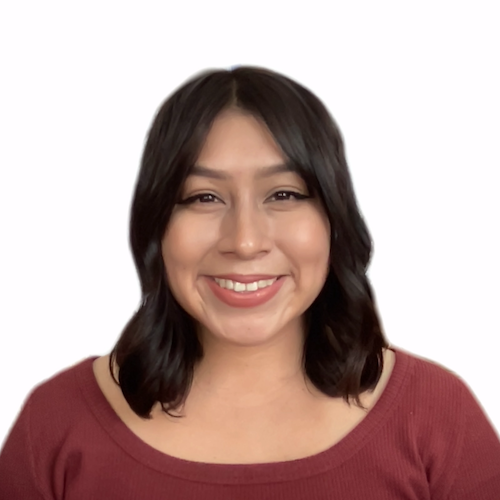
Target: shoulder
434	400
53	422
63	389
428	378
455	439
441	415
59	405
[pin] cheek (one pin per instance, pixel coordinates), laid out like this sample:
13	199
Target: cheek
179	256
307	240
308	249
184	244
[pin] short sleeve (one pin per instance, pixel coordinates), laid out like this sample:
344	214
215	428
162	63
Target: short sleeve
476	471
17	475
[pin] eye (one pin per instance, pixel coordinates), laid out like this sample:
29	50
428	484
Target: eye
288	195
201	198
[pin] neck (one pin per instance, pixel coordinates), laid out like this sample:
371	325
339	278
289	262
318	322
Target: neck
251	376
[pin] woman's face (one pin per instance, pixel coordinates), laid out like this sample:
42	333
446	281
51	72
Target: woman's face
246	224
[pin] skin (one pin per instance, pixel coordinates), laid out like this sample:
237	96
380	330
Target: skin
251	356
250	377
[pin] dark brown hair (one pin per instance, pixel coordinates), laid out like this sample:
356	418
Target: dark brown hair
159	348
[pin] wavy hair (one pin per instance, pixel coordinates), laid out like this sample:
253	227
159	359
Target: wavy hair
156	354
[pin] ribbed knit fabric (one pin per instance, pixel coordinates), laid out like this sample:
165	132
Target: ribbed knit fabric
427	437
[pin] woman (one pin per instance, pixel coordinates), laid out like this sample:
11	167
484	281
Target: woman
255	366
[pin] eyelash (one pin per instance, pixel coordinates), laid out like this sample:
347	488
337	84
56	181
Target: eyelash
193	199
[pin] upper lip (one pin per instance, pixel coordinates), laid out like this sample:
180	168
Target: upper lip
245	278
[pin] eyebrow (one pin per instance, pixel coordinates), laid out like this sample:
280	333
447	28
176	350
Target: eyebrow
201	171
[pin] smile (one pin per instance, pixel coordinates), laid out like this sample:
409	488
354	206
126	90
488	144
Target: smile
236	294
244	287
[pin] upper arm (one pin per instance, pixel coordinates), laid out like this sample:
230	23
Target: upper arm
17	472
475	473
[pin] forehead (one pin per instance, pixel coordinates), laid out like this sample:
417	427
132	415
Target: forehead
239	141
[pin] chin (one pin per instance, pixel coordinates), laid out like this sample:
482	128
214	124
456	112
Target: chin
248	333
248	339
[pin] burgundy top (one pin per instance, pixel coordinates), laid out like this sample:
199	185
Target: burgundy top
427	437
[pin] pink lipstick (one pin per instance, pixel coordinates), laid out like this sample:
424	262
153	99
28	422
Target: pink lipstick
244	298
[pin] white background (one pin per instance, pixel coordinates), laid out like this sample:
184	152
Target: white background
414	87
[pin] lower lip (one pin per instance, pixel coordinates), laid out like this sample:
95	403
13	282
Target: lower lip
245	299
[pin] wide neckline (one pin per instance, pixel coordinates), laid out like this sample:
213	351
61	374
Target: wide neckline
334	456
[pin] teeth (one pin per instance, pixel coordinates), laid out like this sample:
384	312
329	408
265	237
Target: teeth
244	287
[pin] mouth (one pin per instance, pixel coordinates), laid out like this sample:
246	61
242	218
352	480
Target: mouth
250	294
245	286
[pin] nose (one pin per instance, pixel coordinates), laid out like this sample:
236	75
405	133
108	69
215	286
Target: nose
246	232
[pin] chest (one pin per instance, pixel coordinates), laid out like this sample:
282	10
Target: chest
247	440
293	430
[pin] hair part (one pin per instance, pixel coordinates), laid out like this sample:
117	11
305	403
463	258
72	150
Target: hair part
158	349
